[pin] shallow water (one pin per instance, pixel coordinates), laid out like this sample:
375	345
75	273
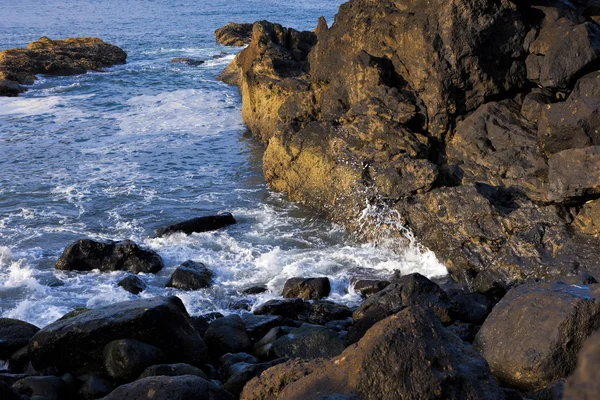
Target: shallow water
115	155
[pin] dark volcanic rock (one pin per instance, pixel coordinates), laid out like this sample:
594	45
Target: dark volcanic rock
321	312
46	387
170	387
367	287
77	343
94	386
226	335
236	382
405	354
255	290
172	370
234	34
126	359
54	57
188	61
307	288
574	173
132	284
14	335
200	224
531	338
201	322
191	275
307	342
584	383
258	325
231	363
288	308
87	255
8	393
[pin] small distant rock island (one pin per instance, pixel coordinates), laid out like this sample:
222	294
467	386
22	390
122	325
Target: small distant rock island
54	57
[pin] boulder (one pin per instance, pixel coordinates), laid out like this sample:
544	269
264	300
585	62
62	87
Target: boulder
409	290
584	384
188	61
191	275
8	393
19	361
236	382
255	290
87	255
77	343
46	387
54	57
322	311
532	336
288	308
307	288
126	359
14	335
574	174
371	317
200	224
262	348
588	218
132	284
94	386
367	287
226	335
406	354
470	307
201	322
170	387
234	34
258	325
308	342
177	369
230	363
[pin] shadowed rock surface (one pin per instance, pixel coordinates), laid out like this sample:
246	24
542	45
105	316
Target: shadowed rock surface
200	224
191	275
54	57
14	335
584	383
234	34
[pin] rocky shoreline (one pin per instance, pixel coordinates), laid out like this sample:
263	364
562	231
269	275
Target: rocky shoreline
474	122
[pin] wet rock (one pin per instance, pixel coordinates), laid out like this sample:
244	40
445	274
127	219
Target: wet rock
188	61
583	384
126	359
94	386
234	34
87	255
230	363
243	304
269	384
532	336
14	335
177	369
10	379
255	290
339	325
368	319
236	382
54	57
574	173
226	335
73	313
8	393
307	342
258	325
170	387
77	343
306	288
19	361
367	287
466	331
470	307
420	356
46	387
321	312
554	61
262	348
200	224
132	284
408	290
288	308
191	275
201	323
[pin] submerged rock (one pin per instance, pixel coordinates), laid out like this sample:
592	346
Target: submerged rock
87	255
54	57
200	224
234	34
188	61
306	288
14	335
76	344
132	284
191	275
170	387
532	337
288	308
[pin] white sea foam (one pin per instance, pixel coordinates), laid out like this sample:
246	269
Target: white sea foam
60	107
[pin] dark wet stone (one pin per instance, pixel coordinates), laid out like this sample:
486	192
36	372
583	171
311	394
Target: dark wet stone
170	387
188	61
306	288
126	359
14	335
226	335
191	275
172	370
133	284
197	225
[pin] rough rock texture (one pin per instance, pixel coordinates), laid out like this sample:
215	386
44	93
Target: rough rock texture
226	335
177	369
197	225
234	34
126	359
54	57
77	343
46	387
406	356
14	335
584	383
87	255
133	284
531	338
170	387
191	275
306	288
188	61
419	116
308	342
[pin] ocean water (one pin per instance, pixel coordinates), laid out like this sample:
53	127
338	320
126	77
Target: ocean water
114	155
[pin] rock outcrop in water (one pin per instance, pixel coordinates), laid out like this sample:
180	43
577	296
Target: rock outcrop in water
234	34
54	57
476	121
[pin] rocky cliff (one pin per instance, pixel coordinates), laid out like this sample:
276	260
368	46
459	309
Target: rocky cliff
474	120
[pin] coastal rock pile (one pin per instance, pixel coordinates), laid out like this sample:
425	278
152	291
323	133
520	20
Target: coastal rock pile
475	121
54	57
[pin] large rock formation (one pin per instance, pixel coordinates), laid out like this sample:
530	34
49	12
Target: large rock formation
426	109
54	57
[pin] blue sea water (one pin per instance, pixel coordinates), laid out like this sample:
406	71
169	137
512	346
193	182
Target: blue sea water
114	155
